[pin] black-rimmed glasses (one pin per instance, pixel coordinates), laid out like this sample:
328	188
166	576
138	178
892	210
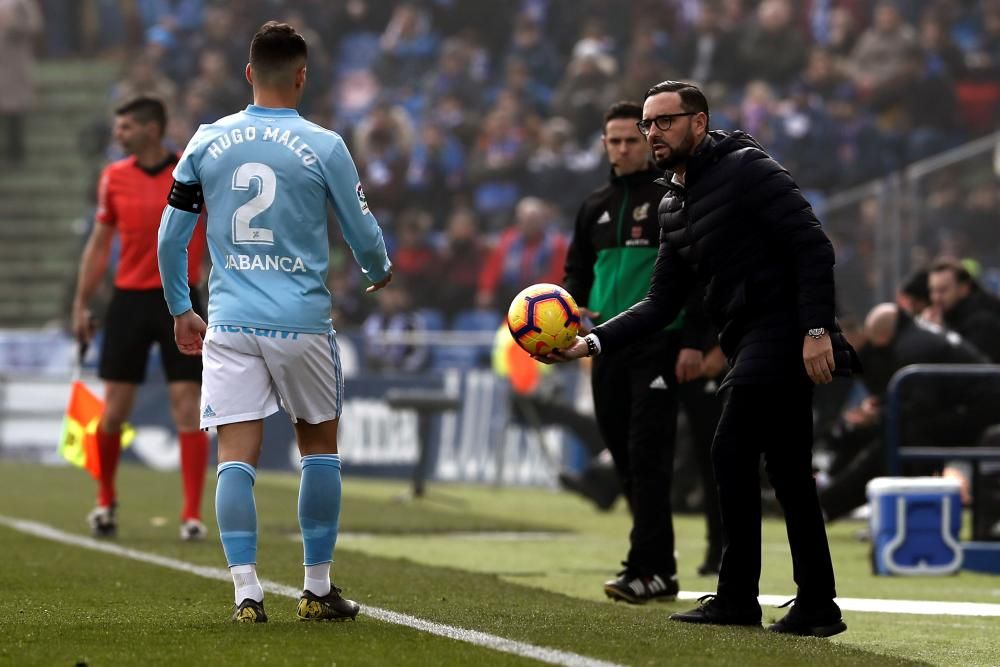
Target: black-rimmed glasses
663	123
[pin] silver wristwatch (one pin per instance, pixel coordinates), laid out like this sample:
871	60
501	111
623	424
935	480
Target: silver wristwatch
817	333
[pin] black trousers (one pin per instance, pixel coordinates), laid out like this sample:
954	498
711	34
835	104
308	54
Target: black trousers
635	402
703	408
776	421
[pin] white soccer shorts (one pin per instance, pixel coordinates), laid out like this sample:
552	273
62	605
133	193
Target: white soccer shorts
246	371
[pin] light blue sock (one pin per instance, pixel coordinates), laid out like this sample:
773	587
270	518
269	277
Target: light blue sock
319	506
236	512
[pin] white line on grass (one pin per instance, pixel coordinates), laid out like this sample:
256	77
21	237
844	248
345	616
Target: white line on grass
886	606
501	644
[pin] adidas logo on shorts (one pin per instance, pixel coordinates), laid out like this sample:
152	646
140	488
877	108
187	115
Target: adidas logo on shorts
209	412
658	383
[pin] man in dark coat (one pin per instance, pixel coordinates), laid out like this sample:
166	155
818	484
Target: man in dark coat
636	391
959	303
734	221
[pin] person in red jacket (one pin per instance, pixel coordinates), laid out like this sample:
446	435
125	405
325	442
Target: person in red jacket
131	195
532	251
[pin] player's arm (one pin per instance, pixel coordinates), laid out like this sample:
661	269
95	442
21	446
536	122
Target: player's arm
184	206
93	265
358	225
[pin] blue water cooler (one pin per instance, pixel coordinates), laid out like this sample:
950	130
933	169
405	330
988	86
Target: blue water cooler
915	524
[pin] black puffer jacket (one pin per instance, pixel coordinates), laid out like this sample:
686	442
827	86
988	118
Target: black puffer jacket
741	227
977	319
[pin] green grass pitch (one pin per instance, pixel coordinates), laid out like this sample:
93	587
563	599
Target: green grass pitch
451	558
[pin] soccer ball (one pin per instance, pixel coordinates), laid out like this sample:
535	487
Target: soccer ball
543	318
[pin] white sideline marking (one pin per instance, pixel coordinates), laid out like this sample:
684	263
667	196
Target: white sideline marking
877	605
540	653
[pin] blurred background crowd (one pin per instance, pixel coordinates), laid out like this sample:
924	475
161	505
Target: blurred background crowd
476	126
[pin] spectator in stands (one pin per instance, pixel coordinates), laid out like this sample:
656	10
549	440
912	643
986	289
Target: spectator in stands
925	102
408	44
532	251
436	170
589	86
496	166
529	45
709	52
458	264
935	411
382	144
822	78
558	169
453	75
759	57
879	57
414	258
394	316
943	55
144	80
519	83
20	25
221	92
959	303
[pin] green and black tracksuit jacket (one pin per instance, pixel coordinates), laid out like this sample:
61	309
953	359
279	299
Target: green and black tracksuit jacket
608	270
615	243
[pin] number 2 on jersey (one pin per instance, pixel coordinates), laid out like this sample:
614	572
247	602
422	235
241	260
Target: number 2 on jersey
244	175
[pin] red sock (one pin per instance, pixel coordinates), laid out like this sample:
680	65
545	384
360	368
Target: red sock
194	461
109	450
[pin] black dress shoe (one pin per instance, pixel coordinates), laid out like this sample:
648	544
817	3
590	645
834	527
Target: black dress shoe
714	610
810	620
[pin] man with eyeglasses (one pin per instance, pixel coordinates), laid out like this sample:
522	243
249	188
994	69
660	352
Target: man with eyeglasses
636	390
734	221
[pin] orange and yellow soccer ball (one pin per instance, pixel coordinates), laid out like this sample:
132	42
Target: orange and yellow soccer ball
543	318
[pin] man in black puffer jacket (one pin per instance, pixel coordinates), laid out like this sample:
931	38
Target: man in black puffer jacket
959	303
735	222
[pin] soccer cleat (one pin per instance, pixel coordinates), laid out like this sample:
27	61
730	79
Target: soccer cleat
193	530
810	621
640	590
713	610
330	607
249	611
102	521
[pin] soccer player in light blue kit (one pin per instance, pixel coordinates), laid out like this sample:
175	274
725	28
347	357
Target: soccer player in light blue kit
265	175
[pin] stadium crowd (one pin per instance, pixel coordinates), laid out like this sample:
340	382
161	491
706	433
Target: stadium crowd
476	125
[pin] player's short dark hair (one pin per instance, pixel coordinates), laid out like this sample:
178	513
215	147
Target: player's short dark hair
624	109
955	267
692	99
276	51
145	110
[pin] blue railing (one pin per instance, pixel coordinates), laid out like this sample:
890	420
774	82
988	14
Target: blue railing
898	451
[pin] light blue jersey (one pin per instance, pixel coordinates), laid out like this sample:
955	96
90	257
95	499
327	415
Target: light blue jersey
266	175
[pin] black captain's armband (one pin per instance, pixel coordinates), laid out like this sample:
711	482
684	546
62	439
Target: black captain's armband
186	197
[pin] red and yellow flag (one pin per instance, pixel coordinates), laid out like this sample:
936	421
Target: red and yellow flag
78	442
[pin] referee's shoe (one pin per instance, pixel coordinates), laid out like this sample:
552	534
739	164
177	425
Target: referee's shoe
640	590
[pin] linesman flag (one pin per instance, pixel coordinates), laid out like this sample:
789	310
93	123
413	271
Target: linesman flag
78	442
